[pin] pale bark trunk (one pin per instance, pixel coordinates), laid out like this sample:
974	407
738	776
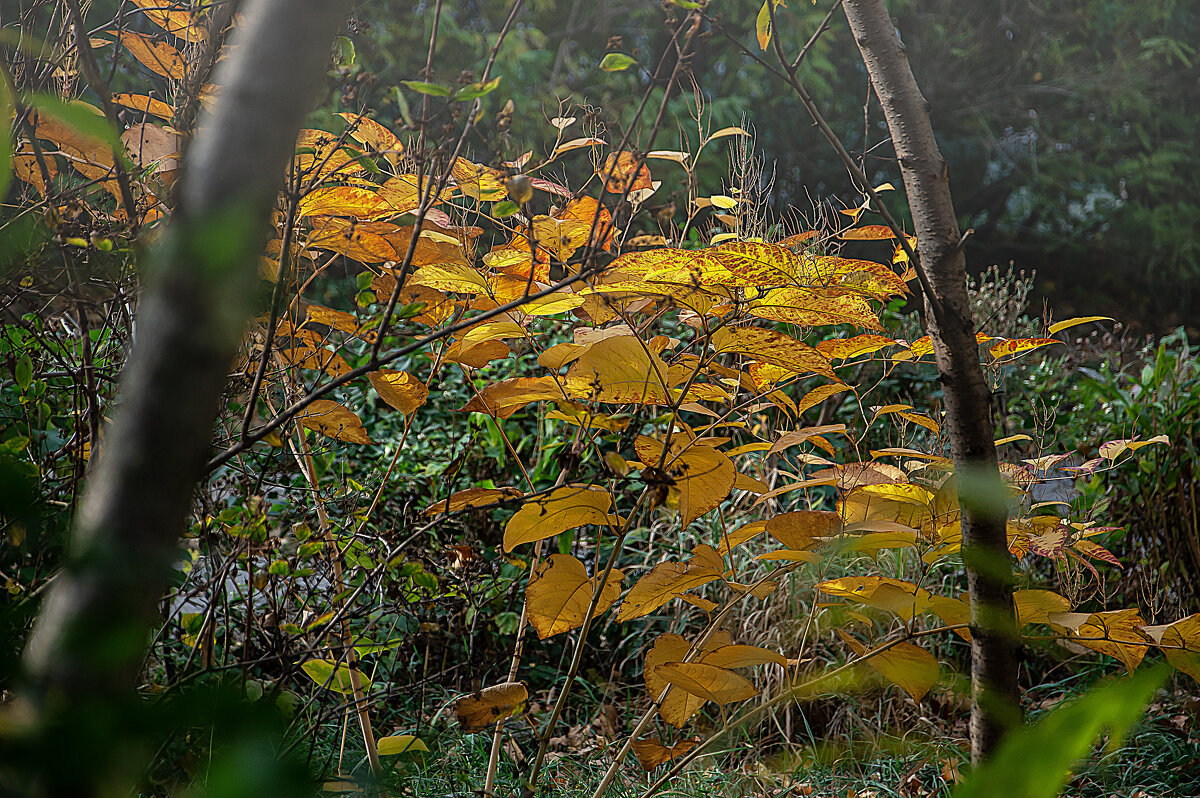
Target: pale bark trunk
90	636
995	645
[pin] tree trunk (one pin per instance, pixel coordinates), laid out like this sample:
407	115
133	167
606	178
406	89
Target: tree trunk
89	639
995	646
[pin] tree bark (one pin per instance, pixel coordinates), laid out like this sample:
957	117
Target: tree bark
89	639
995	645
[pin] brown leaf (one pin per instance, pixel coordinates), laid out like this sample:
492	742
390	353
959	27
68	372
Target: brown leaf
483	709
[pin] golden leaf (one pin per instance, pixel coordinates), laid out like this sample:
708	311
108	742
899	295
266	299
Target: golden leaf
330	418
560	593
884	593
621	173
502	399
802	529
471	497
708	682
399	389
563	508
669	580
702	475
1117	633
1180	643
146	104
159	57
770	346
814	307
619	369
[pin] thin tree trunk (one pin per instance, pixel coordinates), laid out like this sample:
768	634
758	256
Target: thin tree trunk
995	646
90	636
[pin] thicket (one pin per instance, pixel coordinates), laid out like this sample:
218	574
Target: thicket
522	441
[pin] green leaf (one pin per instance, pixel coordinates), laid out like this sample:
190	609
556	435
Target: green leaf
616	62
474	91
401	744
340	679
1035	762
344	54
24	372
504	209
432	89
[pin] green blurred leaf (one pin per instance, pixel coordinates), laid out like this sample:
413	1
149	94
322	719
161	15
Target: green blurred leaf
474	91
344	54
432	89
1035	762
24	371
616	62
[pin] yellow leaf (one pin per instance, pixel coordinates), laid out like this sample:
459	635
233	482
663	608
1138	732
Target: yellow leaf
814	307
844	348
146	104
619	369
367	131
1117	633
471	497
480	710
1180	643
330	418
707	681
563	508
735	656
669	580
884	593
734	264
703	475
355	201
560	593
502	399
357	241
797	437
678	705
1017	346
399	389
1062	325
159	57
1035	606
174	18
910	667
479	182
770	346
400	744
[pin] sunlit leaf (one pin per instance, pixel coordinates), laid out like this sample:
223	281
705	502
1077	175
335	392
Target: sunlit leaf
1059	326
619	369
1017	346
141	102
884	593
